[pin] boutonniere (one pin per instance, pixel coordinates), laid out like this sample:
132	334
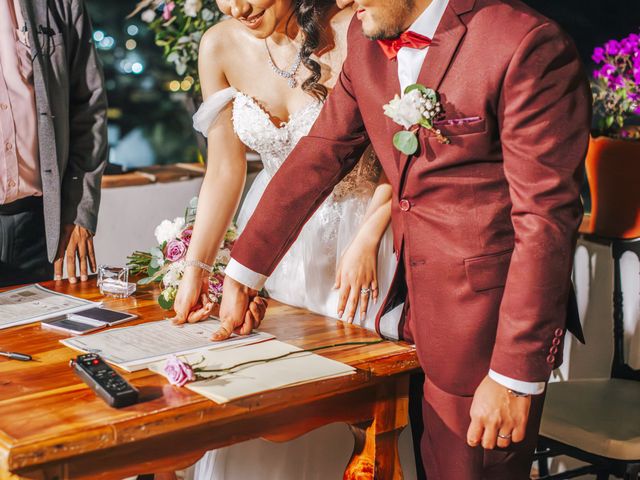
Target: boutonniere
418	107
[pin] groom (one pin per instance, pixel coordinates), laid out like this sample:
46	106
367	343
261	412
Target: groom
484	226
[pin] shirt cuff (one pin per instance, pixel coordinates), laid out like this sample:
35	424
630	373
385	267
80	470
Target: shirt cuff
531	388
245	276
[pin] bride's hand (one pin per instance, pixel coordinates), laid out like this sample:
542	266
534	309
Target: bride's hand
357	279
192	303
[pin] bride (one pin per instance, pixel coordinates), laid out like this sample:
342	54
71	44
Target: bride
265	73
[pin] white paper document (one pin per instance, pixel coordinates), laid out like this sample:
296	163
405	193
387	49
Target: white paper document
35	303
134	348
257	377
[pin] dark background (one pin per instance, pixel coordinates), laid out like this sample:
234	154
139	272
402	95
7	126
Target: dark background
150	124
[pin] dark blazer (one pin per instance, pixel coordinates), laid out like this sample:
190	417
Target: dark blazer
486	226
72	113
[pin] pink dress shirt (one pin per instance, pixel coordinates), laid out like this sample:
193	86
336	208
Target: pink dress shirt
19	162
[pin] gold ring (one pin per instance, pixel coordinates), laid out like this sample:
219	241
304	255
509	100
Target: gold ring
504	437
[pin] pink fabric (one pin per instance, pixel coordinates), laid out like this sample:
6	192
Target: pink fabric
19	163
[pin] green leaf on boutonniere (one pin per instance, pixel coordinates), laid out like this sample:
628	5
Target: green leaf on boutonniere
417	86
406	142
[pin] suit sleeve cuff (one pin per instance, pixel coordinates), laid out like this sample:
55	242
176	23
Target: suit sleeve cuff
245	276
531	388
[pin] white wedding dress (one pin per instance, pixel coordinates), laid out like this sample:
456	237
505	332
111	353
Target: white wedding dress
304	278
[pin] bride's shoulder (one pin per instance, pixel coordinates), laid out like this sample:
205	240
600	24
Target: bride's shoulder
221	40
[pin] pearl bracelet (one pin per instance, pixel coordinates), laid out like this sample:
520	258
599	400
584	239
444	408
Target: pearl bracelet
199	264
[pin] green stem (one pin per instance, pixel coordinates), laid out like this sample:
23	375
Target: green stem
308	350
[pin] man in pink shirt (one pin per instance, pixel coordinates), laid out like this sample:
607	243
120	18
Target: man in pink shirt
53	140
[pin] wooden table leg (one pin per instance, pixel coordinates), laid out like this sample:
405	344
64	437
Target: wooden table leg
375	453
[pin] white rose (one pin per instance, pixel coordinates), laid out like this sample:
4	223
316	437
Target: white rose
148	16
173	275
406	110
168	230
192	7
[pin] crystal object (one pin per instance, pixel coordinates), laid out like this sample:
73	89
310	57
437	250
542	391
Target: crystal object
114	281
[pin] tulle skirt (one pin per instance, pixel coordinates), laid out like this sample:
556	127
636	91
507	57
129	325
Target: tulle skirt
306	275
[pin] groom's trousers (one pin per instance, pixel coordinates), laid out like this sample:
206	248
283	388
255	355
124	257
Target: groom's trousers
443	421
445	452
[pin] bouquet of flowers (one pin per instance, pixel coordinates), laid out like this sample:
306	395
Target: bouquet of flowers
616	85
178	26
165	263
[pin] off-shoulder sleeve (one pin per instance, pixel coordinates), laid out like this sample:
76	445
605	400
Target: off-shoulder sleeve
211	108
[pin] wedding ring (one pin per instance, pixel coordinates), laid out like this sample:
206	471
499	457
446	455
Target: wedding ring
504	437
365	291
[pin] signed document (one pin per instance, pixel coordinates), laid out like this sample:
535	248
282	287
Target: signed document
35	303
134	348
258	376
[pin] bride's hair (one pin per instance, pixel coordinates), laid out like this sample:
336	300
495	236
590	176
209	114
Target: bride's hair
311	17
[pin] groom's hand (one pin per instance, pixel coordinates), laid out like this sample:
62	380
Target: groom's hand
497	416
235	314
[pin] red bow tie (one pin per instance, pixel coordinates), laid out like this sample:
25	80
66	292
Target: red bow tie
406	39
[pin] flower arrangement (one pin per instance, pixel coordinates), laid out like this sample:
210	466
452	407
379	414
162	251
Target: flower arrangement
165	263
178	26
418	107
616	86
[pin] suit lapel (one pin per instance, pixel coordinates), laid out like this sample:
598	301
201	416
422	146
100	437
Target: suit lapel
448	36
391	88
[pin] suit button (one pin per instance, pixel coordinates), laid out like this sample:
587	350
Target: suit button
551	359
559	332
555	342
553	350
405	205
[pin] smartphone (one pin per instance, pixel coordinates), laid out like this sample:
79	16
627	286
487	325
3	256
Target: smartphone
88	321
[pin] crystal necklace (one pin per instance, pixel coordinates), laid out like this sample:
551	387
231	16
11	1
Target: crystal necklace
289	74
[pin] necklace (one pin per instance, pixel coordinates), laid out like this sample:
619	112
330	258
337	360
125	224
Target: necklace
289	74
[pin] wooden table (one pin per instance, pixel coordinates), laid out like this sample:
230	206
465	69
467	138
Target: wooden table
53	427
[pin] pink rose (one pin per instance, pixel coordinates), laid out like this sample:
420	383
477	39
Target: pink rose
186	236
166	11
175	250
178	372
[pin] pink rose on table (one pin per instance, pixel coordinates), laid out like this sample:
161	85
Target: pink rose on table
175	250
178	372
186	236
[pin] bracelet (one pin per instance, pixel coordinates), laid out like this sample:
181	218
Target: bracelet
515	393
199	264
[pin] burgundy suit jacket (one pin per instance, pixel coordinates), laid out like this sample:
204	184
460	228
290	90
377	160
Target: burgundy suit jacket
485	226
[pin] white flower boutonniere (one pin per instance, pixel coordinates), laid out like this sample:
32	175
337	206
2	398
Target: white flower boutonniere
418	107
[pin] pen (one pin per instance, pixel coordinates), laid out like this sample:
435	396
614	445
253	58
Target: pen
17	356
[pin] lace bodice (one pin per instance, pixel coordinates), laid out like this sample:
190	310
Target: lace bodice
253	125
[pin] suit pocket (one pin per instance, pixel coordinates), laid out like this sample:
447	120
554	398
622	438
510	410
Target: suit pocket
462	128
488	271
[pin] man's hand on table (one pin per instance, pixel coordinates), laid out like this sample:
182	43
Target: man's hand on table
241	310
75	241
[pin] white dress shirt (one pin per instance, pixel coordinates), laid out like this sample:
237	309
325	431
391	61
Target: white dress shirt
410	62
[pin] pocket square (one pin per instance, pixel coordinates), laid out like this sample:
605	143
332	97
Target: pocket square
457	121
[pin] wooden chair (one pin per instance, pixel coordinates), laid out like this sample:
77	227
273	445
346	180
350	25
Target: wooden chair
597	421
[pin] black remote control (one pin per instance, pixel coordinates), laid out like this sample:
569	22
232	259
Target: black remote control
104	380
